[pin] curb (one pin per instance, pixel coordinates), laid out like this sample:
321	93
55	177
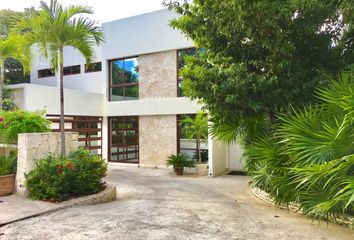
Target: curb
109	194
345	221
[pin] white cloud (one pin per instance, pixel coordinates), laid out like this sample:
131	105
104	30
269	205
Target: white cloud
104	10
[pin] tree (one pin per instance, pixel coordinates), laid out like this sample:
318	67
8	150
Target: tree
10	48
259	57
196	128
55	27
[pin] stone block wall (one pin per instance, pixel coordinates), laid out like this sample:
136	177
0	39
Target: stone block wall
32	146
158	75
157	139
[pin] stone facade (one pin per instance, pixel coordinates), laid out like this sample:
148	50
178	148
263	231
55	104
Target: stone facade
157	139
32	146
158	75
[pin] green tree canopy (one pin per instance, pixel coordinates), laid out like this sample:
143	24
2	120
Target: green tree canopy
260	56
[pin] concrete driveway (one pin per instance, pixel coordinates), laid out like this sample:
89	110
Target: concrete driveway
155	204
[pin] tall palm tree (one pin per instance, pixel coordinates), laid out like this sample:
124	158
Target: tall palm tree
53	28
10	48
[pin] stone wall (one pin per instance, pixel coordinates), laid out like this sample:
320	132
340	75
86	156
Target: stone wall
157	139
158	75
32	146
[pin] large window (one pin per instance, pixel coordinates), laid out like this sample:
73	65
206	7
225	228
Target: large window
189	146
124	139
124	79
181	62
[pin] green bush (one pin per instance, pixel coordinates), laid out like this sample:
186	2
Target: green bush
8	164
15	122
179	160
57	178
310	157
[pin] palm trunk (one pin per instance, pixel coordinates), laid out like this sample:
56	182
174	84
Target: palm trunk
2	79
198	150
61	86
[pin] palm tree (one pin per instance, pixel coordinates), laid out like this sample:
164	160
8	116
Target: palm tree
196	128
53	28
10	48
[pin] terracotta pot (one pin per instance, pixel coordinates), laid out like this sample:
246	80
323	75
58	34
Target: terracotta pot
7	184
178	170
201	169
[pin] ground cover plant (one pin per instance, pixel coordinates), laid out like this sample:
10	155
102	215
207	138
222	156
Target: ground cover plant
309	158
58	178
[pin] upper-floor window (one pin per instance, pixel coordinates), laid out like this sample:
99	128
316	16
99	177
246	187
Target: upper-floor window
180	64
94	67
42	73
72	70
124	79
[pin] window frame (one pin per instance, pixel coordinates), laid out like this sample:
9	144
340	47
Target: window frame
47	70
71	68
178	79
93	71
122	85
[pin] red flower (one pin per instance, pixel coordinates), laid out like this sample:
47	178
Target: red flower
1	119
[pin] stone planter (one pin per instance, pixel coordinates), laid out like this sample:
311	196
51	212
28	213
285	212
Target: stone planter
201	169
7	184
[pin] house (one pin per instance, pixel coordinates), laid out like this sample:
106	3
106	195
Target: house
126	106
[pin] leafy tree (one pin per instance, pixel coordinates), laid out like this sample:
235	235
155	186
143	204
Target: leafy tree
259	57
53	28
11	48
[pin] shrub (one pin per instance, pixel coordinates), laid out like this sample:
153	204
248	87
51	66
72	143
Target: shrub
57	178
15	122
179	160
7	164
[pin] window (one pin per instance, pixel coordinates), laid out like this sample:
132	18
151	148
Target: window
94	67
189	146
124	79
180	64
72	70
45	73
124	139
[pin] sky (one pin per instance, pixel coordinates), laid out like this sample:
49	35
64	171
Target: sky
104	10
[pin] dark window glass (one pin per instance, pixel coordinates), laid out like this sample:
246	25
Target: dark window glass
45	73
124	79
180	64
71	70
94	67
124	139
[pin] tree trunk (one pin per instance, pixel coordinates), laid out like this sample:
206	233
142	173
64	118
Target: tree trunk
198	150
61	86
2	79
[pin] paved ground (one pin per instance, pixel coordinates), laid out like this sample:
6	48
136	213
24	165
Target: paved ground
155	204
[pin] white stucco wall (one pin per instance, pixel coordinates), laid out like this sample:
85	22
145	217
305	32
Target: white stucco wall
37	97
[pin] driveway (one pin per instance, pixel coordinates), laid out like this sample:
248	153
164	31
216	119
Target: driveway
155	204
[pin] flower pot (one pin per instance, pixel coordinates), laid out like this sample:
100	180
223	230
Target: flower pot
7	184
201	169
178	170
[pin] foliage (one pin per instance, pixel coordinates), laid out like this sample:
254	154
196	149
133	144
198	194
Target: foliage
260	57
54	27
57	178
310	158
15	122
8	164
196	128
204	157
179	160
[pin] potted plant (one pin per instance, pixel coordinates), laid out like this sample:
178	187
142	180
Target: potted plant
197	128
7	174
179	162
